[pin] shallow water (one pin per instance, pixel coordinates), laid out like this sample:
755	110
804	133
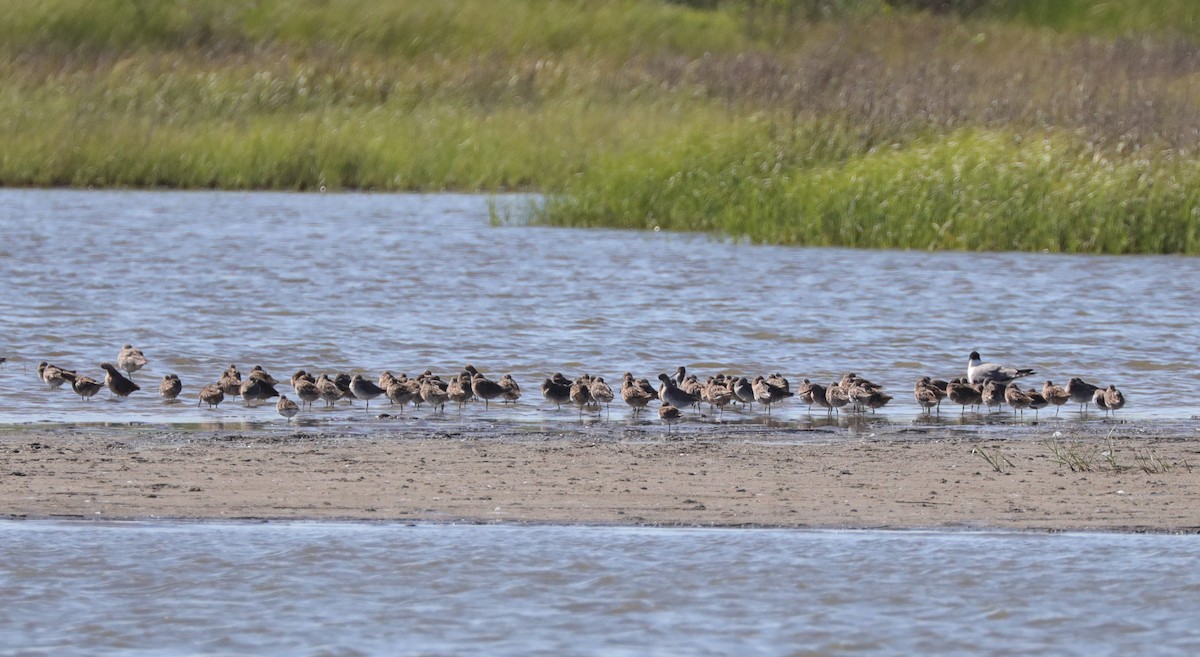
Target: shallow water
82	588
351	282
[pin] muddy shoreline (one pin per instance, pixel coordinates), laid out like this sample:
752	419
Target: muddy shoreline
1129	477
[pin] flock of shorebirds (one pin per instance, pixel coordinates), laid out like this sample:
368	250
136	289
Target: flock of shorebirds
985	385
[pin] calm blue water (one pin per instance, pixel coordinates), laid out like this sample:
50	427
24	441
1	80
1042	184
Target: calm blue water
81	588
362	282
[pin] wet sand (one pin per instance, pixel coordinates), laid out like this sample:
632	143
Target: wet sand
937	478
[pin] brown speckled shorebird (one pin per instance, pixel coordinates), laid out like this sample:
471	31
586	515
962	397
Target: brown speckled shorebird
1113	399
769	391
287	408
306	391
130	359
170	387
669	414
1018	399
601	392
581	392
54	376
836	396
434	395
993	393
511	391
231	381
926	397
328	390
85	386
1056	395
458	391
211	394
118	384
962	393
1037	401
258	373
634	395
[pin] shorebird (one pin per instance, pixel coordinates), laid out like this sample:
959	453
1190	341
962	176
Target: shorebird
170	387
1018	399
600	391
743	391
767	393
258	373
433	394
511	391
938	388
805	393
1113	399
1055	395
485	388
211	394
342	381
257	390
231	381
634	394
993	393
301	375
926	396
669	414
980	372
85	386
54	376
1099	400
718	393
670	394
287	408
836	397
403	390
556	391
130	359
1037	401
364	389
680	375
961	393
1081	392
118	384
581	392
385	379
306	390
820	397
458	390
328	390
877	400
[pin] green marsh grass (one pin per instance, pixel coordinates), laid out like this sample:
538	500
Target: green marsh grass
849	122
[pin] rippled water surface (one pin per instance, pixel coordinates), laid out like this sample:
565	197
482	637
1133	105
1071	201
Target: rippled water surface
79	588
408	282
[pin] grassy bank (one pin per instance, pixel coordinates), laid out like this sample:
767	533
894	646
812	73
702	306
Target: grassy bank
1009	124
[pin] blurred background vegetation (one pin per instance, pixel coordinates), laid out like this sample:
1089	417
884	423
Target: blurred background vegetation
966	124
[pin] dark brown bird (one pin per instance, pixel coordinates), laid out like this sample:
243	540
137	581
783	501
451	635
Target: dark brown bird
116	382
557	391
485	388
257	390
